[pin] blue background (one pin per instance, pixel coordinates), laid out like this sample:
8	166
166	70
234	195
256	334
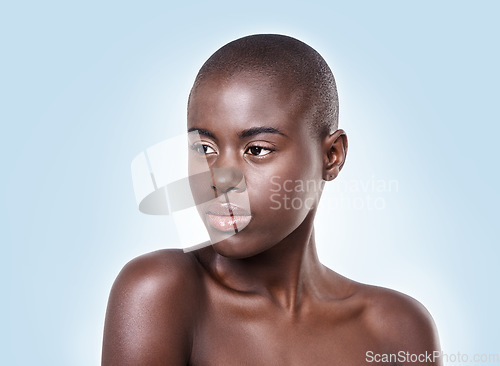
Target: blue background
86	86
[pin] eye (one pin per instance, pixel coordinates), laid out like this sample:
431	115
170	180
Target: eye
259	150
201	148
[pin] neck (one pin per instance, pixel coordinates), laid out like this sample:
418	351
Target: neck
288	273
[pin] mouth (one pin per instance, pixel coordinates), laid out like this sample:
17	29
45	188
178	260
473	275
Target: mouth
227	217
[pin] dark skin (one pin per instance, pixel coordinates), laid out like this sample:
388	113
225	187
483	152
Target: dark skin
260	297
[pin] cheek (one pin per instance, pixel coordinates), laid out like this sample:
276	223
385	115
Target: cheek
285	195
200	185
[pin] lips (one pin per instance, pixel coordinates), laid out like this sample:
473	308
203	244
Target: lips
227	217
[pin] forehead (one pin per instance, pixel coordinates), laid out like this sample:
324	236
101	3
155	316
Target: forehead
247	100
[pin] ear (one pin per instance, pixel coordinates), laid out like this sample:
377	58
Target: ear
334	154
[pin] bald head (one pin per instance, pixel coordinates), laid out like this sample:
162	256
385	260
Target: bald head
288	63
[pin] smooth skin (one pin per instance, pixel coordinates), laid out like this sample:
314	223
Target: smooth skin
260	297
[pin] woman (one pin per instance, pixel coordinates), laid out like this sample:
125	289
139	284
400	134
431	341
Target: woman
264	109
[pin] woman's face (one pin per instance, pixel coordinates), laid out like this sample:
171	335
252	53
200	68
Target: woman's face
254	137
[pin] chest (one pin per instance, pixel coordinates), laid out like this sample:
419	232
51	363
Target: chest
251	334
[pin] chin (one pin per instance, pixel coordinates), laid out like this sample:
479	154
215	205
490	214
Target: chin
236	247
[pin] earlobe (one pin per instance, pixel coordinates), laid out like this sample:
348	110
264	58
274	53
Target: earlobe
335	154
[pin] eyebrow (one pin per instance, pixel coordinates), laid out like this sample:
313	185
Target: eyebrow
250	132
203	132
258	130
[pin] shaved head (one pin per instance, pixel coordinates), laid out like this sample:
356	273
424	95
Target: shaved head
288	63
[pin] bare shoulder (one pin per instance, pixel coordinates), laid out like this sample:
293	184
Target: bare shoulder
150	310
399	322
163	269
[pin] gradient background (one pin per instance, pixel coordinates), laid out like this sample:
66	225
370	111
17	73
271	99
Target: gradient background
87	86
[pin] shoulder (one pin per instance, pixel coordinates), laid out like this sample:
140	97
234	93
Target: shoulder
161	280
160	270
150	309
398	321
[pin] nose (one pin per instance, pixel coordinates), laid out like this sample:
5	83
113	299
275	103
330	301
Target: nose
227	179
